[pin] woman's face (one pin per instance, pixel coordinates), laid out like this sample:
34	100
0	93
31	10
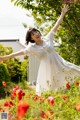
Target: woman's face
36	36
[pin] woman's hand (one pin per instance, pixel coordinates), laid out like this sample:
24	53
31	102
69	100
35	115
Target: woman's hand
65	9
1	58
19	53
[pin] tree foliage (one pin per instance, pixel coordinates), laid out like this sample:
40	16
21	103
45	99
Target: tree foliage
4	76
5	50
46	12
17	70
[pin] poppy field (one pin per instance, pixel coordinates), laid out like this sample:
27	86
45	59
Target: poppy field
24	104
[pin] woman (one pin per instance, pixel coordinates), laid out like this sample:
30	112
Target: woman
54	71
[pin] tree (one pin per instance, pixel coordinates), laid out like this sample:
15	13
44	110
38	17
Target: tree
45	13
17	70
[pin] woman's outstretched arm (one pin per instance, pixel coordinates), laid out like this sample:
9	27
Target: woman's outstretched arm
19	53
60	19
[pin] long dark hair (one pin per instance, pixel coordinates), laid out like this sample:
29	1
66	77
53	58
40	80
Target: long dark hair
28	35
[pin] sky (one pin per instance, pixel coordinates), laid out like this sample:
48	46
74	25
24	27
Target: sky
11	19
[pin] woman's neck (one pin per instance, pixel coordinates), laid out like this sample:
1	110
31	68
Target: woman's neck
39	42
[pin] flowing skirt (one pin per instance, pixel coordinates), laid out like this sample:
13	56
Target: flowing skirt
54	72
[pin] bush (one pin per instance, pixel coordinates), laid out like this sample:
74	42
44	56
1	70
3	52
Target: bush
24	65
4	76
17	70
14	68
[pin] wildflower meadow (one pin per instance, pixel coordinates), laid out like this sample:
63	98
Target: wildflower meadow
24	104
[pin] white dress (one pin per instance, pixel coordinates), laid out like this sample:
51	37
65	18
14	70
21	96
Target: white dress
54	71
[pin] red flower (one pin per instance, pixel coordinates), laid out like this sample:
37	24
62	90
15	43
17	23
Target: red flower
41	99
36	97
0	108
4	83
20	94
22	108
11	103
43	114
19	91
68	85
15	88
51	100
12	97
3	110
64	97
6	104
77	83
78	106
13	93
